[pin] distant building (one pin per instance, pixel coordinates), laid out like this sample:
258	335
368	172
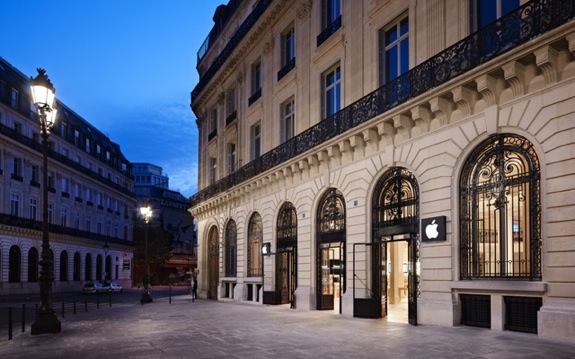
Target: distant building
91	201
170	211
408	160
148	175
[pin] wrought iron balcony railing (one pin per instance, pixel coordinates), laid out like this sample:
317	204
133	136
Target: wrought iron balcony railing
524	24
286	69
37	146
20	222
328	31
253	98
238	36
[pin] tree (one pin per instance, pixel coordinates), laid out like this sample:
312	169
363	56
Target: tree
159	244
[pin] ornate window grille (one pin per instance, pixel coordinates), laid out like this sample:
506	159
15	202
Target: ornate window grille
396	201
500	213
287	226
255	236
230	260
331	218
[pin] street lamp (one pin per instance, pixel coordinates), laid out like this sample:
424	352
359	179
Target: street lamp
43	96
146	295
106	248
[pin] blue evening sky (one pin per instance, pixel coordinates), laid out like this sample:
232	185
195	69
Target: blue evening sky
125	66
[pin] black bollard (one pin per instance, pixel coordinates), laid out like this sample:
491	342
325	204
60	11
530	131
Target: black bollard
9	323
74	305
97	300
85	303
170	291
63	308
23	318
110	297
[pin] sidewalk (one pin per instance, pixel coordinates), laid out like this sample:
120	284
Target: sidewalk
210	329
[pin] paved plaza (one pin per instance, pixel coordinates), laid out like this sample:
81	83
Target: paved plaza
210	329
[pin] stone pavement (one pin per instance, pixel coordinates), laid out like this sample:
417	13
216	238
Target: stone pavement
210	329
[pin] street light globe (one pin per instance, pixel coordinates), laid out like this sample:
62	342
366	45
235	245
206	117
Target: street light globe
43	91
146	212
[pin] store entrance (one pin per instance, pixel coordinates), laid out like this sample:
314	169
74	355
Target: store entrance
331	276
393	277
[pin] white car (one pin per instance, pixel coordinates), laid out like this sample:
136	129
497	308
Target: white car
115	287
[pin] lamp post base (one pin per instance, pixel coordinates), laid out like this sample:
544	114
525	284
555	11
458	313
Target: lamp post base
146	297
46	323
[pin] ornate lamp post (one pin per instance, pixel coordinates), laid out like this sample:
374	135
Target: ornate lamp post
146	295
106	248
43	96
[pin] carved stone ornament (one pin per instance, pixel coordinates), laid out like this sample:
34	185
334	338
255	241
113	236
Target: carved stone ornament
304	11
221	97
268	46
240	76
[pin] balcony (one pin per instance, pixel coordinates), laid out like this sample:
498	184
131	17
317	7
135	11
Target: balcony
253	98
212	135
328	31
231	118
516	28
286	69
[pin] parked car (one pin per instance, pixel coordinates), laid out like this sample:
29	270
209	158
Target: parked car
115	287
89	288
101	288
96	287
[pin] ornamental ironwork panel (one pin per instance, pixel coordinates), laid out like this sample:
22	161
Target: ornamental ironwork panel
516	28
500	210
255	240
328	31
230	259
331	214
287	226
396	199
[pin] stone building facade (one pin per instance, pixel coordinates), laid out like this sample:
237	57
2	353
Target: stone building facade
408	160
90	196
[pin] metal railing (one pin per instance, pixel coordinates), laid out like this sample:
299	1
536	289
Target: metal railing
518	27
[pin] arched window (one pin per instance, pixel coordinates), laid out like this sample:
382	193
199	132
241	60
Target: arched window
500	210
14	265
88	265
77	266
64	266
331	214
33	265
99	267
255	236
230	260
108	268
287	226
395	201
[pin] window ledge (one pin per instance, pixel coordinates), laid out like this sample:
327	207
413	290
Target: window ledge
507	286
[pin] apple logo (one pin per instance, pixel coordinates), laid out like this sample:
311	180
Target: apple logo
431	230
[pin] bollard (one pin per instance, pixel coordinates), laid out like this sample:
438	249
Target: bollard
85	303
23	318
97	300
170	291
63	316
110	296
74	305
9	323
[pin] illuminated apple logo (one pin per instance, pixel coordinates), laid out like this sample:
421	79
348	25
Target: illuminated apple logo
431	230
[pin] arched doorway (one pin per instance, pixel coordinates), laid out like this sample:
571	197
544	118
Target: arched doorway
330	255
286	257
14	265
213	263
395	246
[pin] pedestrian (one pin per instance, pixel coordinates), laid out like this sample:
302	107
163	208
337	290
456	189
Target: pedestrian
194	289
